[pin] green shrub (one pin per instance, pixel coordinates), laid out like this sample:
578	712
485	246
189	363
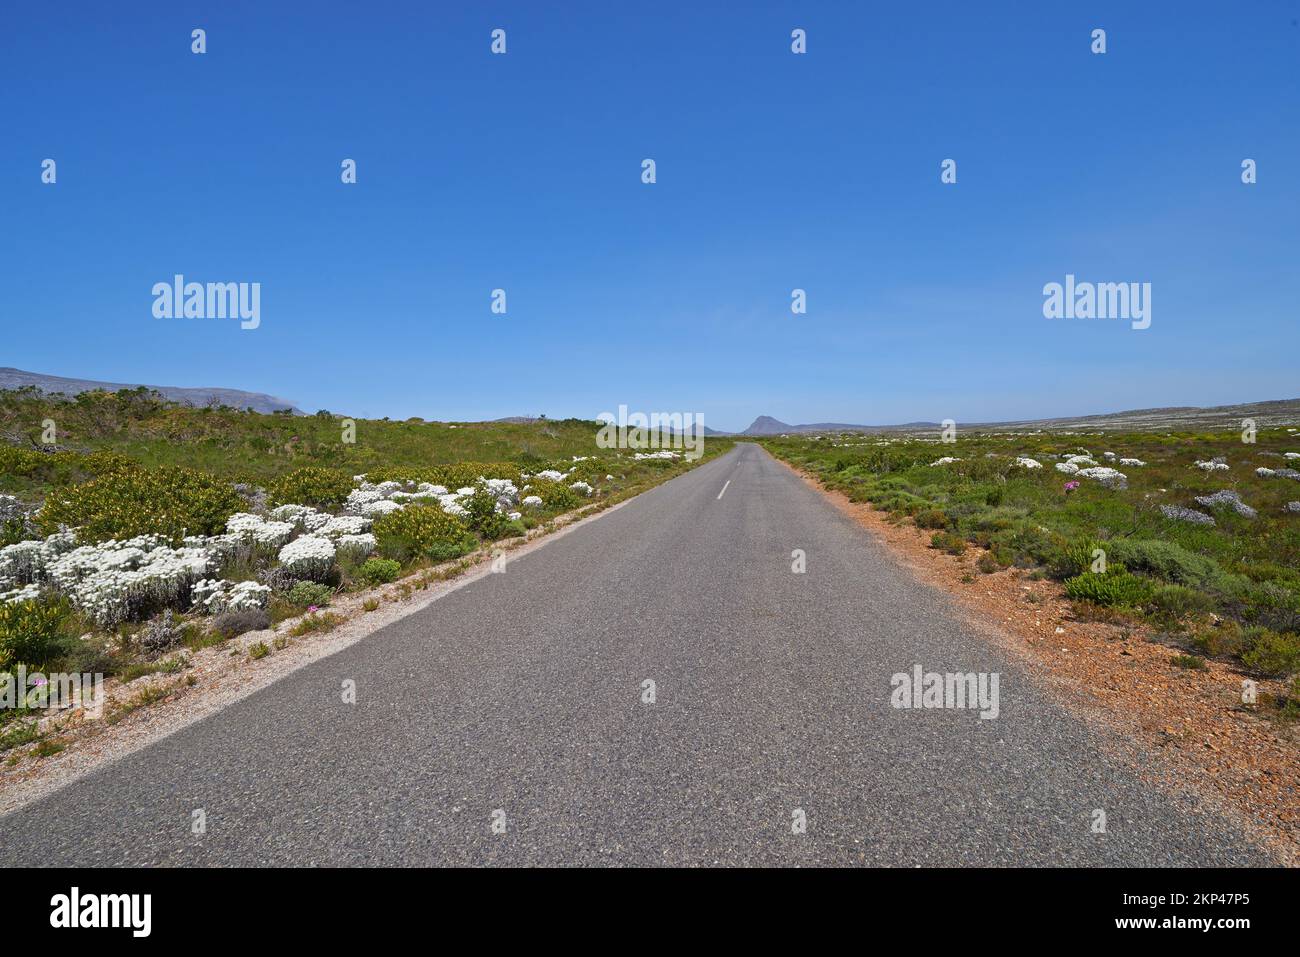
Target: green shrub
315	624
1226	640
304	594
1112	588
1028	544
1190	662
31	631
931	518
422	531
315	486
1179	601
379	571
1271	653
591	471
1169	561
16	733
948	542
556	496
128	501
482	507
1075	558
486	520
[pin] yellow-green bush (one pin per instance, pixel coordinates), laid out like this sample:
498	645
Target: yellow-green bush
126	501
555	496
24	462
311	485
29	631
422	531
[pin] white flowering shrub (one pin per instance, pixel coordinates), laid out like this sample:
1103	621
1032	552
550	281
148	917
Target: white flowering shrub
946	460
309	557
1104	474
22	562
303	517
340	525
1068	468
355	547
503	490
532	501
212	596
114	581
1134	462
553	476
1027	463
359	498
1213	466
581	487
26	562
23	593
260	532
381	507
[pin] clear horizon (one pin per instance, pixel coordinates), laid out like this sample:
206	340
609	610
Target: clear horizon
775	172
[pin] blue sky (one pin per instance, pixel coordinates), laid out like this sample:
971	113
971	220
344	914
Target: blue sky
775	171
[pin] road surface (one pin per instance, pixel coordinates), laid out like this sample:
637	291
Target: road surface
522	693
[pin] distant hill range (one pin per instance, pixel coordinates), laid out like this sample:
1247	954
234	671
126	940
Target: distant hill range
1270	414
235	398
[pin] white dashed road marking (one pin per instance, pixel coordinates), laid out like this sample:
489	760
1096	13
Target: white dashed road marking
724	489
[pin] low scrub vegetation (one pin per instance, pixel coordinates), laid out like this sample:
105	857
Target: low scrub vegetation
1197	534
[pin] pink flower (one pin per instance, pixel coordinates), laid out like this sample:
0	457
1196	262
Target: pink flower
1071	486
312	608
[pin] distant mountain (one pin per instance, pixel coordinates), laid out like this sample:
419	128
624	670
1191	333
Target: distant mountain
766	425
1270	414
235	398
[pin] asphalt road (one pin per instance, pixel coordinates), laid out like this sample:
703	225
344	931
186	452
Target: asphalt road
522	692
